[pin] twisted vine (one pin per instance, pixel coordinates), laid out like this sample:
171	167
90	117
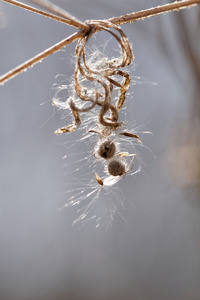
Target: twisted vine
104	73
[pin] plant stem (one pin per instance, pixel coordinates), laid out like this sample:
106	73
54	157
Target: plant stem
66	18
141	15
177	5
38	58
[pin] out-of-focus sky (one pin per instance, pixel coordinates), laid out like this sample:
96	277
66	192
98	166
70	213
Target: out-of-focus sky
155	253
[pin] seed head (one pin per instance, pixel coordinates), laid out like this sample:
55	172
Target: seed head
106	149
116	167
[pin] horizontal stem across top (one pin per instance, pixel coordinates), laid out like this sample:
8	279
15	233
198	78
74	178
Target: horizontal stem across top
70	20
140	15
177	5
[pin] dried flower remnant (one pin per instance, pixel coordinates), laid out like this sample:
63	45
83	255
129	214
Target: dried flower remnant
105	77
116	167
106	149
104	95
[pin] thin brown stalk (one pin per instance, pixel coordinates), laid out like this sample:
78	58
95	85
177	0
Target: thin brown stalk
69	21
46	4
148	13
38	58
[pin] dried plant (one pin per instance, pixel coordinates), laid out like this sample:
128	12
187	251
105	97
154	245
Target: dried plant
105	76
84	28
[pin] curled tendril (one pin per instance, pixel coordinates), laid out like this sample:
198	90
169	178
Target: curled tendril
104	74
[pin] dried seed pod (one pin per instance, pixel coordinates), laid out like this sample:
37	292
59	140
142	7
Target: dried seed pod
106	149
98	179
116	167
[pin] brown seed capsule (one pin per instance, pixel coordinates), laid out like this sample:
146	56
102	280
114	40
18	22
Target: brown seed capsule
98	179
106	149
116	167
132	135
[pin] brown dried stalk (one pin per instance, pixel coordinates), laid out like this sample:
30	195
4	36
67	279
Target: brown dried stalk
155	11
38	58
65	16
71	21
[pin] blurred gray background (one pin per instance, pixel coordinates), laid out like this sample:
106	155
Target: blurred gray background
156	255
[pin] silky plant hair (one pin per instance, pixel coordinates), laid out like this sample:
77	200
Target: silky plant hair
100	85
106	75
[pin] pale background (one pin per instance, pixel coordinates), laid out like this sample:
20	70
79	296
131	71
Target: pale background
155	256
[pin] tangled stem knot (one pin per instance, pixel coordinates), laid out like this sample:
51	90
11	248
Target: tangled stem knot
103	73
